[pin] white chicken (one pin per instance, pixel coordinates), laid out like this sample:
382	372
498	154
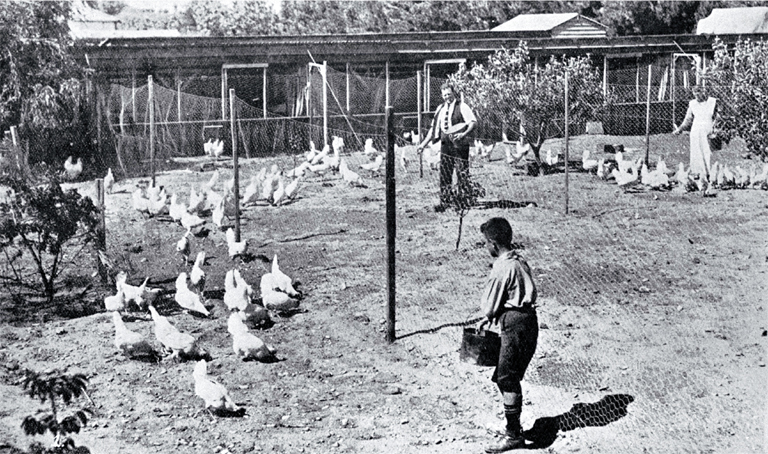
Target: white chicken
337	143
157	200
623	178
348	175
217	148
72	169
213	393
236	297
182	246
602	169
760	180
132	344
431	155
212	198
187	298
211	182
132	293
109	181
278	196
681	176
483	151
551	158
246	345
269	186
252	191
196	201
282	281
415	138
190	221
140	203
587	163
292	188
197	275
313	151
655	179
235	248
176	210
115	302
217	215
180	344
279	302
374	166
299	170
320	156
369	148
521	148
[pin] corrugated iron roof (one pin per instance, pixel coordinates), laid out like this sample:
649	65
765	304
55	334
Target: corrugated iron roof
84	13
734	21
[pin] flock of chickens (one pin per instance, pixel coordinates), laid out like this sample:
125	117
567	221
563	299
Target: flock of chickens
631	172
277	291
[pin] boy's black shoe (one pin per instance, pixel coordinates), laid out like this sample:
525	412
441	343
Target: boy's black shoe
440	207
508	443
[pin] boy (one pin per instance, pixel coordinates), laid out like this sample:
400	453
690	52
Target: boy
509	299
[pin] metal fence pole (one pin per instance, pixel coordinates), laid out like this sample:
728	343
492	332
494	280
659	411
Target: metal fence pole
391	222
235	163
151	100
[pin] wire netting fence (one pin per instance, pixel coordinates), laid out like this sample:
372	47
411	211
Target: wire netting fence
601	263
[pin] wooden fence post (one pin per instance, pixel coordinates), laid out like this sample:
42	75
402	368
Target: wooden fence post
101	233
151	98
567	127
391	222
648	117
419	83
235	163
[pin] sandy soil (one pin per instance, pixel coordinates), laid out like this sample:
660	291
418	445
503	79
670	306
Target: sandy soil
652	316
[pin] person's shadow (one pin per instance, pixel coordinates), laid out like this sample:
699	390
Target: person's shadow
609	409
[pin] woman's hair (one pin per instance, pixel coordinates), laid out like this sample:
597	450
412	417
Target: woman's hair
497	230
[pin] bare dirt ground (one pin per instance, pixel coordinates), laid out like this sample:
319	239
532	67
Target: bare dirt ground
652	316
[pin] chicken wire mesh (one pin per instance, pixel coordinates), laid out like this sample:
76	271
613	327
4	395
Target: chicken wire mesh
616	279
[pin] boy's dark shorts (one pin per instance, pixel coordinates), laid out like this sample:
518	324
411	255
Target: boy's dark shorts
519	330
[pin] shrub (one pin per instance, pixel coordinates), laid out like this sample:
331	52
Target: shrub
40	222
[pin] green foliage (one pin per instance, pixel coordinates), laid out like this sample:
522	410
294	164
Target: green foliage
34	50
741	73
509	89
40	221
240	18
53	386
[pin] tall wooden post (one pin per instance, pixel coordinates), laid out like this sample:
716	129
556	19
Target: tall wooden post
133	96
264	93
347	73
325	103
151	100
605	76
224	84
567	127
101	233
391	221
310	106
386	85
648	117
235	163
419	83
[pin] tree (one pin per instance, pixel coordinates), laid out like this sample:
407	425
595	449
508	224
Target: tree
35	49
741	73
240	18
509	89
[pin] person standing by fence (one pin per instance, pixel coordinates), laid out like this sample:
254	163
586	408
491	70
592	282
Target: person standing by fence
452	124
700	116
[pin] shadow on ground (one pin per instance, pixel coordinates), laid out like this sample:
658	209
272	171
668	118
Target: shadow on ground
609	409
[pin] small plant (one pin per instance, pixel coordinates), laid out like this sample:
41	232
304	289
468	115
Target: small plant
462	199
53	386
40	221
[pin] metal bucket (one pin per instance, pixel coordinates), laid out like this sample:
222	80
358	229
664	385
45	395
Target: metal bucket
481	348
